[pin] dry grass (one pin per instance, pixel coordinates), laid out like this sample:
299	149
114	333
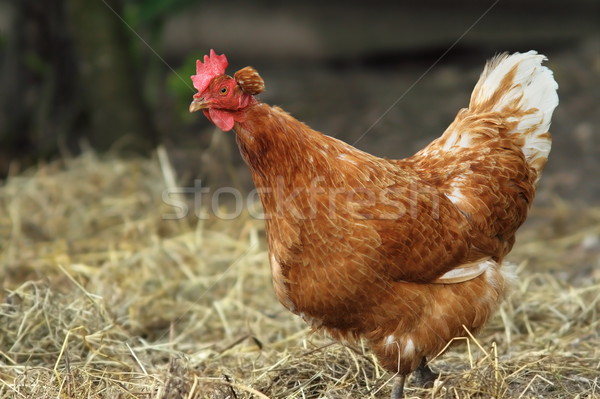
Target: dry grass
104	298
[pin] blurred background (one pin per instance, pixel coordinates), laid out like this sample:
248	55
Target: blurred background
113	75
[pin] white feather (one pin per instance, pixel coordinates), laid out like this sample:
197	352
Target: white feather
533	87
465	272
390	340
409	348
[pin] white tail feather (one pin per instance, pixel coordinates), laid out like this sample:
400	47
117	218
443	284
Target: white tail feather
520	82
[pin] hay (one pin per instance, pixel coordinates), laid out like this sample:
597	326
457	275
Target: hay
105	298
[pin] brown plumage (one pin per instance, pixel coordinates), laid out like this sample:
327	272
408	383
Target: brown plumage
405	253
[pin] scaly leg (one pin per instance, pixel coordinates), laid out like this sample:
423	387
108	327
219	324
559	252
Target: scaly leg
398	387
424	377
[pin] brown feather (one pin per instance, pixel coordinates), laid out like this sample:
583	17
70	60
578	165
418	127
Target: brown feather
406	253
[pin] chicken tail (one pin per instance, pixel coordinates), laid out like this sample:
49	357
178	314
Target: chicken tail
524	90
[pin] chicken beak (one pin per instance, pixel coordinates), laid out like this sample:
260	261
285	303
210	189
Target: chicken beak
198	104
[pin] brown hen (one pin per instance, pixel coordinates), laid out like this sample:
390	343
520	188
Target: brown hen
404	253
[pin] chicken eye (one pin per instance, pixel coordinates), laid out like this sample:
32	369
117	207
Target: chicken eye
223	90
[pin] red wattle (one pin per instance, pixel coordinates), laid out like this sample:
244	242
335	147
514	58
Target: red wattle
223	119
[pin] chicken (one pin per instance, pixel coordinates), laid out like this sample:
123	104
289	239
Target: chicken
408	253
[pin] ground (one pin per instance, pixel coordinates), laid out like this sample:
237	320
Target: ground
108	296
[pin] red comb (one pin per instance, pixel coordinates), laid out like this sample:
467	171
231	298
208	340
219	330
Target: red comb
214	65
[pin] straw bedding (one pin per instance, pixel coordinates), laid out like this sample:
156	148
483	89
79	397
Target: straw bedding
106	295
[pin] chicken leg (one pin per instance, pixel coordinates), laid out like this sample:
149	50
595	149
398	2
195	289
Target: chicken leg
398	387
423	376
